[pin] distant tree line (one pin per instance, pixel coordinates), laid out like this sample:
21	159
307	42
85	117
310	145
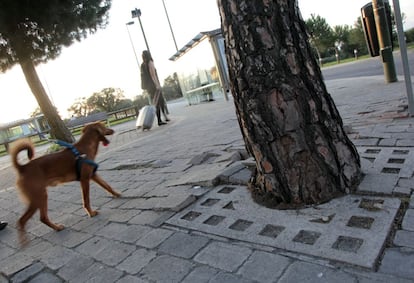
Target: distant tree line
113	99
409	35
342	41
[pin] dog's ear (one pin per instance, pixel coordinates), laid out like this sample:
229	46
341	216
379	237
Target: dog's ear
100	127
93	125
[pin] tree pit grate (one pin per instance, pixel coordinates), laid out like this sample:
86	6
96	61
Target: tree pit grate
271	231
351	229
214	220
240	225
360	222
210	202
190	216
306	237
348	244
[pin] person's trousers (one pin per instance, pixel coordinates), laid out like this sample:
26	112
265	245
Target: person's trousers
157	100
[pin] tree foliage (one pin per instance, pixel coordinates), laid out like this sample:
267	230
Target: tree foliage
107	99
320	33
33	32
171	88
36	112
38	30
340	35
409	35
343	39
80	108
140	101
356	39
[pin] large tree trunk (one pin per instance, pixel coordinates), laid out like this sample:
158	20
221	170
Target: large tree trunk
58	128
288	120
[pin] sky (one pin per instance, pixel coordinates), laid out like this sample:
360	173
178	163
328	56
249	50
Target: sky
107	59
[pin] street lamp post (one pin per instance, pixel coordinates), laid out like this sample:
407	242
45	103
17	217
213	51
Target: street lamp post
132	43
137	14
404	56
169	23
133	48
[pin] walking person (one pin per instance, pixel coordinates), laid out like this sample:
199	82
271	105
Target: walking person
150	82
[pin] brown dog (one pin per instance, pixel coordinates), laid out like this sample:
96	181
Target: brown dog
76	163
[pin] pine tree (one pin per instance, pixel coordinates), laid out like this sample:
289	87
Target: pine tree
34	32
288	120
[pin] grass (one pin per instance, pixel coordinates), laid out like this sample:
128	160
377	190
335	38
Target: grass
121	121
347	60
352	59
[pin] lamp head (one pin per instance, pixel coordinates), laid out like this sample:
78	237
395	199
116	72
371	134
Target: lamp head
136	13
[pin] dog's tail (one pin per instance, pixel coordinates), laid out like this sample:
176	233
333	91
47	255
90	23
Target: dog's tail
19	146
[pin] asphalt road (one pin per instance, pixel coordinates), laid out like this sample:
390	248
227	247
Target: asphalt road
366	67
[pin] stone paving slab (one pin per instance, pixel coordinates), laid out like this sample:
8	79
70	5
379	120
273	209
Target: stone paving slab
389	161
223	255
166	268
398	262
259	263
313	273
350	229
389	170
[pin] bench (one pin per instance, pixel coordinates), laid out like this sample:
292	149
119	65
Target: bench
193	95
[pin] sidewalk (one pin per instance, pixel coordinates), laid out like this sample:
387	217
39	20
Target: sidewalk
185	214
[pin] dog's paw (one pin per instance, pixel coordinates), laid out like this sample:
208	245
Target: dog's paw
59	227
116	195
93	213
23	239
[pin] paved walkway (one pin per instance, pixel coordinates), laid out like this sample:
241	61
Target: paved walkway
185	214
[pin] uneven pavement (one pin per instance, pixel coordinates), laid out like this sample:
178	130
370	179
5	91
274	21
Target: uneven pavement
185	214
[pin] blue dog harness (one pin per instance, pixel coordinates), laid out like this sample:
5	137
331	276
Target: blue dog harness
80	158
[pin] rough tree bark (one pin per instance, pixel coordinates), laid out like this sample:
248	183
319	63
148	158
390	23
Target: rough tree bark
288	120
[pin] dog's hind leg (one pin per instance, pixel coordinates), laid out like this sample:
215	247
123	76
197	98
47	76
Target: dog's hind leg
97	179
85	198
43	214
31	209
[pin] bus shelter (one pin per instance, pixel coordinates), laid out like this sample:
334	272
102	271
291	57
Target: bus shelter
35	126
201	68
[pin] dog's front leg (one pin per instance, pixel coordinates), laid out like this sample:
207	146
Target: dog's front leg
85	198
97	179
